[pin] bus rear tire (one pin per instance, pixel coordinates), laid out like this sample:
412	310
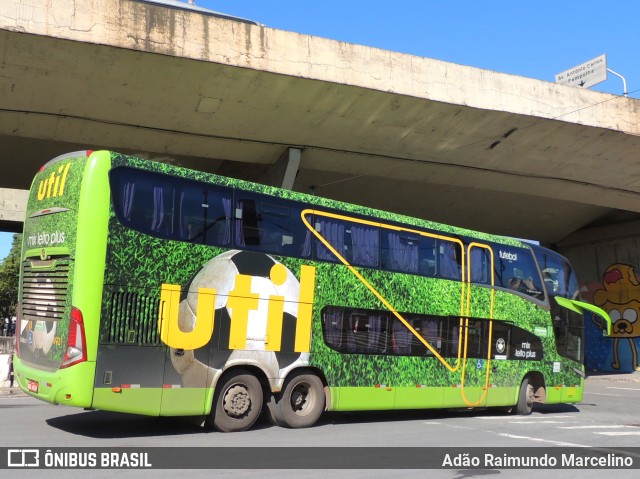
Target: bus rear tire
301	402
524	407
237	402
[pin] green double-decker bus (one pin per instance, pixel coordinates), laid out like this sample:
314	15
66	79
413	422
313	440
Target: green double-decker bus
152	289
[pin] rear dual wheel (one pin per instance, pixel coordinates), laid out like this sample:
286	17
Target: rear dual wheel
301	402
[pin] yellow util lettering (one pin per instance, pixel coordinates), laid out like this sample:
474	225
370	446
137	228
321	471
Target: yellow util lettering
64	179
241	300
42	189
50	180
54	185
275	315
305	309
168	318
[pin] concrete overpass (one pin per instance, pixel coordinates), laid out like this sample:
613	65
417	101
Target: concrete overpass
471	147
456	144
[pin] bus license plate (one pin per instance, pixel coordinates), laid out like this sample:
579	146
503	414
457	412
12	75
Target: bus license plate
33	386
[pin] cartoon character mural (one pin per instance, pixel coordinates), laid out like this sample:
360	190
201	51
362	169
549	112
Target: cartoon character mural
619	295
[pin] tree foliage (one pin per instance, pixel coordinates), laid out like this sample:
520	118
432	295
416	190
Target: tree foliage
9	273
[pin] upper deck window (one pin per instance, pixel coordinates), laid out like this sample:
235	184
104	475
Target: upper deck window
357	243
171	208
271	225
450	260
408	252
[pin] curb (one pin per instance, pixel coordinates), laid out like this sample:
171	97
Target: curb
633	377
12	393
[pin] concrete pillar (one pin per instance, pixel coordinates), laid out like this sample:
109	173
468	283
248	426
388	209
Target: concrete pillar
13	205
283	173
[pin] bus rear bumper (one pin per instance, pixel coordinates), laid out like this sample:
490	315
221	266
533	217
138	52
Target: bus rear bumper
71	387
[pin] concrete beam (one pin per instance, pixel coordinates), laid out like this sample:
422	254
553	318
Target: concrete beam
184	34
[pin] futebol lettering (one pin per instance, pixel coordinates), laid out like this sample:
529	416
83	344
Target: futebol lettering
508	255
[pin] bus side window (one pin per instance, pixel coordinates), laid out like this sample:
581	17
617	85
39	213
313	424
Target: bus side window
427	256
429	328
431	332
365	241
355	331
477	338
480	260
246	219
271	225
400	251
401	338
204	214
333	232
332	321
366	332
143	200
453	337
450	260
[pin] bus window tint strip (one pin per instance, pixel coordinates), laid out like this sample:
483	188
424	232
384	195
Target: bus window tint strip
186	210
360	331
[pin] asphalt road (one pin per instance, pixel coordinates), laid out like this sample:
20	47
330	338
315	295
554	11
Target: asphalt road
608	419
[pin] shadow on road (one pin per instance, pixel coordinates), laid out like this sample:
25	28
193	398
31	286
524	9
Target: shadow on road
435	414
104	425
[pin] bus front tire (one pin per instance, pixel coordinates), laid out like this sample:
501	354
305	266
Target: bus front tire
525	399
301	402
237	402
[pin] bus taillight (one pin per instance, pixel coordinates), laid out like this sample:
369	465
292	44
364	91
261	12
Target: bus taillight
76	341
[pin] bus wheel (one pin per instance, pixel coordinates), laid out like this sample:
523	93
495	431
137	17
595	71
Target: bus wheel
301	402
525	398
237	402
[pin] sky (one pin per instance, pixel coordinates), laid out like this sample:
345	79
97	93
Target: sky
532	39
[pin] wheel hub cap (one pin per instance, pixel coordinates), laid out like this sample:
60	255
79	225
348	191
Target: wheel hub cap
236	401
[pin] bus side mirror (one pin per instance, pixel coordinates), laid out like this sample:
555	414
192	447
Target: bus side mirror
580	307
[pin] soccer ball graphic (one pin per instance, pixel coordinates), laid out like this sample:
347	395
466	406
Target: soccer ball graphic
268	278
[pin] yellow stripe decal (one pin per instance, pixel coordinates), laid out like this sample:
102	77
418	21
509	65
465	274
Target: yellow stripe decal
386	303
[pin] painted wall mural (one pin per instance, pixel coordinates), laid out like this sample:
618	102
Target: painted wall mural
618	293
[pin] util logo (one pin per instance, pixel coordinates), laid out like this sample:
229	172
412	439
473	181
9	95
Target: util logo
241	300
54	185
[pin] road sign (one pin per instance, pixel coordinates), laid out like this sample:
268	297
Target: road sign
586	74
